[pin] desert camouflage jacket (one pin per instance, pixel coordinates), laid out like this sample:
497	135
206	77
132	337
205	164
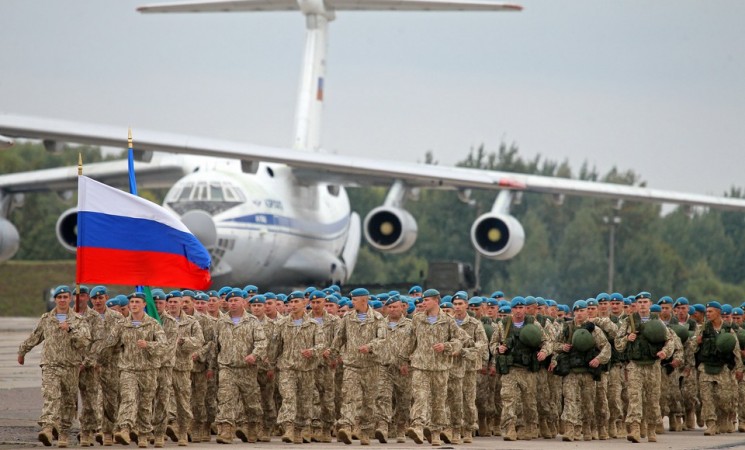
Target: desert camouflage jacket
472	357
291	340
206	356
187	328
396	338
418	351
61	348
126	334
233	342
328	327
352	333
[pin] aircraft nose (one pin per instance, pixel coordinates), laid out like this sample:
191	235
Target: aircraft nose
201	224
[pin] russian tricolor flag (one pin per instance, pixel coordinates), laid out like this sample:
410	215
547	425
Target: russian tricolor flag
125	239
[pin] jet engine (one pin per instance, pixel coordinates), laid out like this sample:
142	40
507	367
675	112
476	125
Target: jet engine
67	229
390	229
497	236
9	240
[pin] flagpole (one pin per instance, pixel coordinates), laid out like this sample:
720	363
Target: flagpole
77	281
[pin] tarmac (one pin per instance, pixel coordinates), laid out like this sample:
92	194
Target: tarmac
20	405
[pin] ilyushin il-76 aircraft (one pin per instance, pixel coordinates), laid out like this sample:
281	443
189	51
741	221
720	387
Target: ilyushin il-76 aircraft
281	216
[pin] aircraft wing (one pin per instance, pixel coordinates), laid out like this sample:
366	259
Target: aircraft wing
337	5
346	170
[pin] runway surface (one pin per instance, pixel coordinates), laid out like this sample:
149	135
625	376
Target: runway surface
20	404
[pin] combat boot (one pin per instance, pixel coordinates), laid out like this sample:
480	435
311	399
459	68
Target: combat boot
160	441
579	433
183	436
241	432
264	435
568	434
510	434
225	433
651	433
108	440
364	437
435	441
171	433
325	435
612	430
415	434
659	428
677	424
206	435
122	436
523	434
344	435
456	436
603	432
562	427
690	423
297	437
401	434
467	435
545	432
595	433
643	430
427	434
252	432
446	435
711	428
495	427
289	432
381	434
63	439
355	433
741	426
85	438
46	437
552	428
142	442
633	435
305	435
484	429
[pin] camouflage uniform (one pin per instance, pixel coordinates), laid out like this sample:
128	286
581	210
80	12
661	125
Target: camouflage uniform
188	330
324	411
238	391
296	373
602	407
671	398
108	360
267	385
138	370
469	364
360	369
88	382
203	363
164	391
394	391
429	377
61	358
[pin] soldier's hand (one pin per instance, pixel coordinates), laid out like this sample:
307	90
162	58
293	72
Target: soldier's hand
439	347
180	341
632	337
250	359
552	366
686	371
210	374
502	349
64	326
364	349
700	339
661	355
738	375
21	359
194	356
307	353
676	363
142	343
327	353
542	355
492	371
484	371
594	362
270	375
404	370
566	347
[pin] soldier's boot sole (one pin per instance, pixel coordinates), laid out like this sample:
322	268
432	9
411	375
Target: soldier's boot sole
45	437
381	436
122	438
159	442
446	436
171	434
414	435
344	436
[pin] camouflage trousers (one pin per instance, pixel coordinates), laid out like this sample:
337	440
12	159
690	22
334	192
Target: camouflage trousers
358	394
542	387
716	393
338	381
741	401
324	410
211	398
470	414
59	389
644	392
671	397
602	409
485	400
394	398
689	391
110	397
199	395
615	385
579	398
89	386
430	388
136	392
161	400
454	407
519	390
266	387
296	388
181	392
556	386
238	398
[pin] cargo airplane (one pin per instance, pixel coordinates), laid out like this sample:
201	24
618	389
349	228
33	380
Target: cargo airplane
281	216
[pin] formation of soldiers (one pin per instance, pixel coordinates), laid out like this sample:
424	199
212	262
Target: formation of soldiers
315	364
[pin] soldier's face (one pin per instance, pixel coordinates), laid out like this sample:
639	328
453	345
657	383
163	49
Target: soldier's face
271	307
553	311
616	307
99	302
317	305
235	305
296	305
681	312
431	304
200	306
83	298
395	310
62	301
213	305
174	306
187	305
460	307
580	314
713	314
603	308
258	309
136	305
592	311
492	311
667	311
331	308
160	305
737	319
360	303
643	305
518	313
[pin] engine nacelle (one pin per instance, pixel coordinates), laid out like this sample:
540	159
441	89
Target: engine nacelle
67	229
9	240
497	236
390	230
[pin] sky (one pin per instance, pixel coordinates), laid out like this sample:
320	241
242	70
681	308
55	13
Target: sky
657	87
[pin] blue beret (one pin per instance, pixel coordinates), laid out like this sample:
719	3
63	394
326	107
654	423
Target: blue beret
173	294
602	297
62	289
714	304
699	307
475	301
681	301
737	311
743	306
517	301
258	299
158	294
335	288
418	300
446	305
394	293
627	301
140	295
691	310
655	308
98	290
202	297
492	302
632	299
335	294
234	293
212	293
415	290
359	292
460	295
296	294
446	298
251	289
411	308
372	297
503	302
643	294
431	293
122	300
666	300
393	299
84	289
383	296
541	301
188	293
309	289
579	304
280	297
332	299
505	309
497	294
550	302
529	300
112	302
616	297
327	291
224	290
316	295
565	308
376	304
591	302
726	309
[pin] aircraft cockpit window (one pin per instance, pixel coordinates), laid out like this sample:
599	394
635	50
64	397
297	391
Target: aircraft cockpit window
213	197
216	192
186	192
201	193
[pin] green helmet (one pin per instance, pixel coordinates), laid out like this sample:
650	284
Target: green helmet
741	337
655	331
489	329
682	332
531	335
726	342
582	340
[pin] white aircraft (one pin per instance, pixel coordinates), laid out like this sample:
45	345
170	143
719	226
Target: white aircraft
279	216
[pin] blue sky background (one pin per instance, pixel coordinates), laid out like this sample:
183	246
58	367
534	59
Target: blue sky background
658	87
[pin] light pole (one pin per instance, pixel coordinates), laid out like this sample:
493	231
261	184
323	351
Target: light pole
611	222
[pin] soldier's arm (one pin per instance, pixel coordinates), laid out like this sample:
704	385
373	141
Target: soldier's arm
260	343
622	338
457	338
34	339
112	339
408	344
669	347
80	335
481	345
678	350
602	344
377	345
496	340
738	355
340	338
195	340
547	345
319	338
